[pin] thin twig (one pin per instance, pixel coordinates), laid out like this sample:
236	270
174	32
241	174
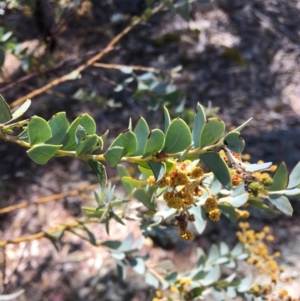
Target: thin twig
90	62
53	197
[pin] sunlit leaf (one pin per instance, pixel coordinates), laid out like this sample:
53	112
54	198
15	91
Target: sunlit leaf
21	110
282	203
167	118
155	142
89	125
178	136
280	178
198	125
212	131
141	132
294	178
38	130
59	125
127	140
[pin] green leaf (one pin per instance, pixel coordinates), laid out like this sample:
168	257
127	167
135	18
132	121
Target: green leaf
112	244
196	292
158	168
238	200
282	203
38	130
228	211
224	249
114	155
21	110
2	59
234	142
259	204
127	140
88	145
80	135
178	137
212	131
42	153
237	250
245	284
117	219
170	277
141	132
89	125
138	265
167	118
213	254
144	198
212	276
257	167
131	183
155	142
5	114
59	125
280	178
151	280
219	168
198	125
200	218
184	10
294	178
99	170
122	172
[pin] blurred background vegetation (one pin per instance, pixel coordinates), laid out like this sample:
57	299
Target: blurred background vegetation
239	58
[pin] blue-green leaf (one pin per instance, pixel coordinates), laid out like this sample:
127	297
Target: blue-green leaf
141	132
212	131
126	140
89	125
234	142
167	118
158	168
155	142
5	114
114	155
280	178
178	137
282	203
294	178
219	168
59	125
42	153
38	130
198	125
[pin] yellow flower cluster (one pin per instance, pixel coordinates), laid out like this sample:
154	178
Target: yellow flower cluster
214	215
242	213
211	205
182	186
181	288
259	255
